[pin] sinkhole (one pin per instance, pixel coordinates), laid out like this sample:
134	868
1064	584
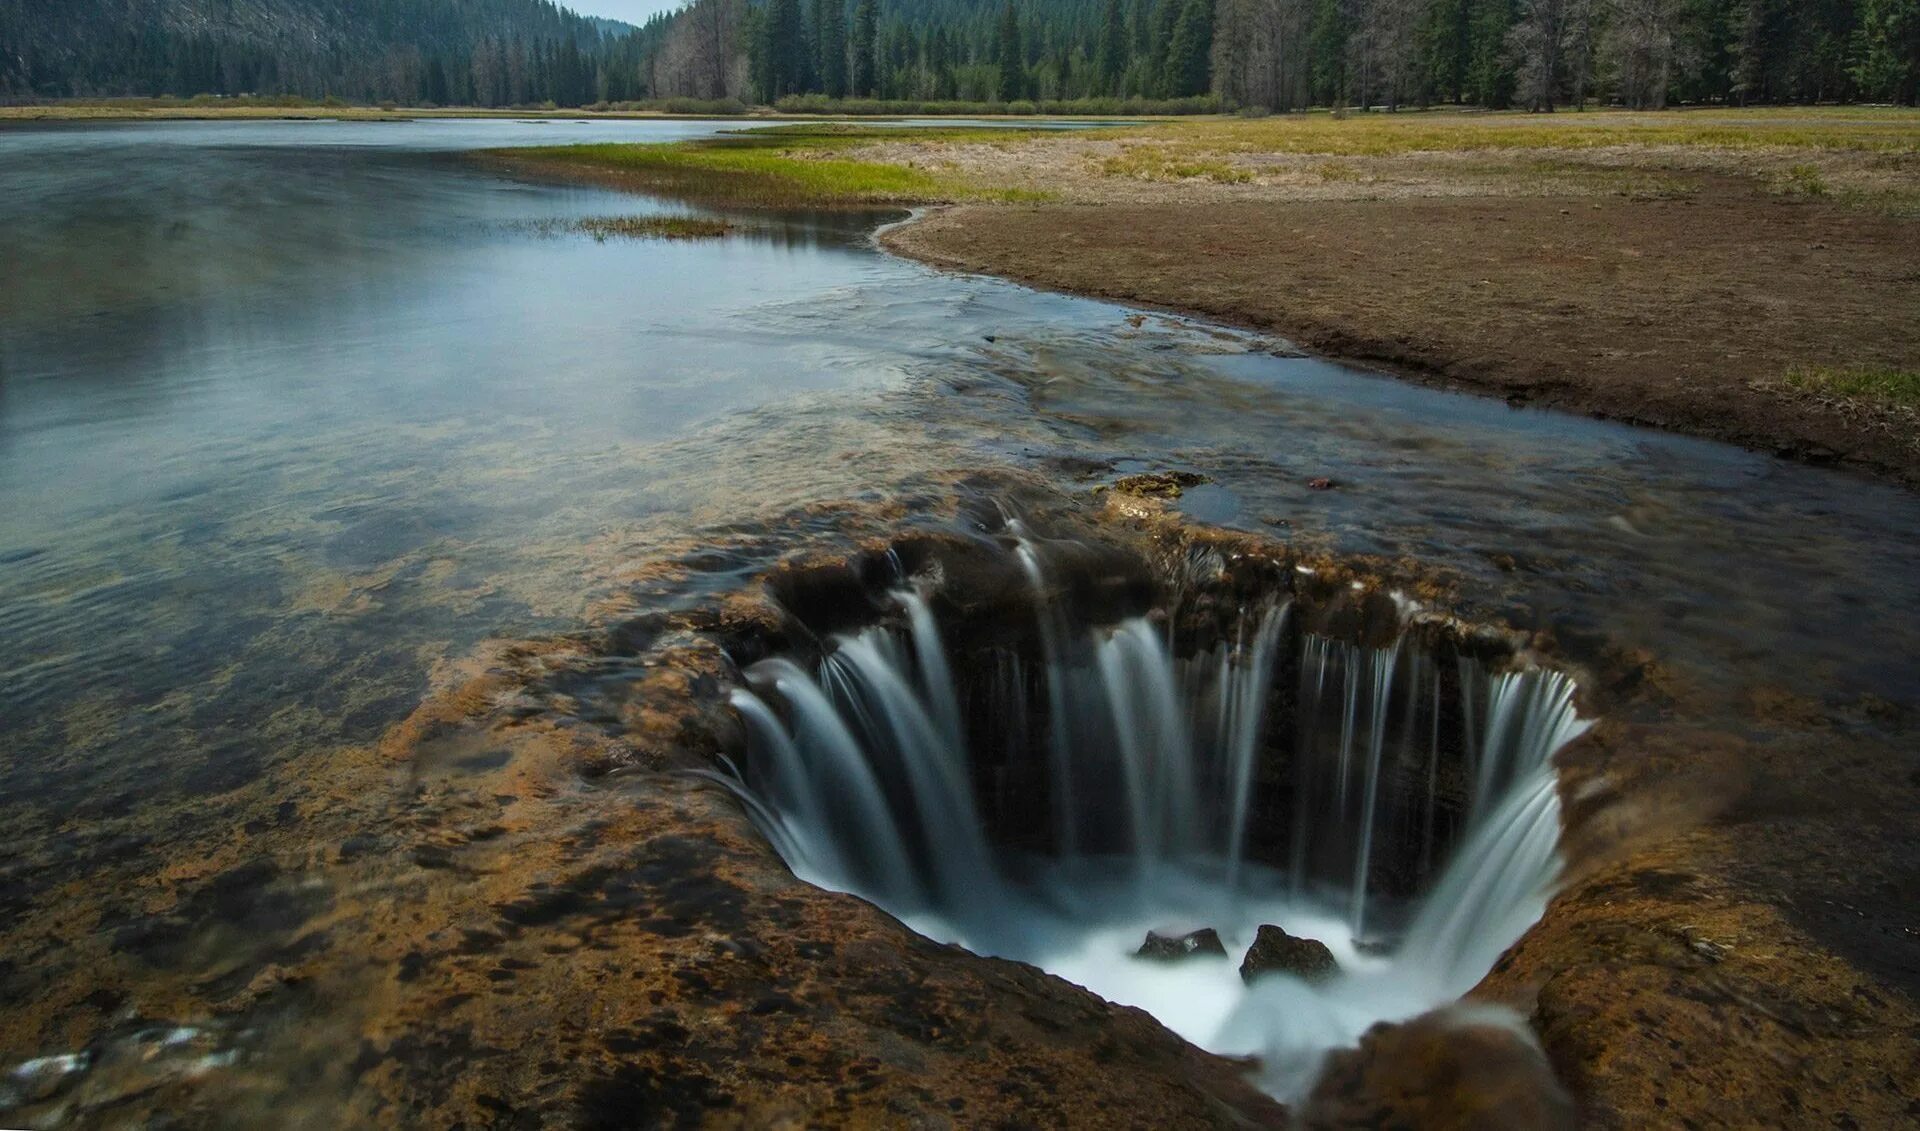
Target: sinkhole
1046	750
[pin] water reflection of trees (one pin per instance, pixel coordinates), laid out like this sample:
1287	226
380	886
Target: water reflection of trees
824	229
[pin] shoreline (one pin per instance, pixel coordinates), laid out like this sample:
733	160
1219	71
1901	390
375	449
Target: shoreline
1748	282
100	113
1034	246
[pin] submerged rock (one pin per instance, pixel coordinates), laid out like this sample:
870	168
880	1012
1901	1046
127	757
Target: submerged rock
1173	948
1159	484
1274	950
41	1079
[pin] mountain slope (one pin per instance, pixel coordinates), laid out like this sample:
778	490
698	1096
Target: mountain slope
406	50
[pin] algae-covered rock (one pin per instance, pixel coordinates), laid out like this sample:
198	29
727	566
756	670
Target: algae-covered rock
1159	484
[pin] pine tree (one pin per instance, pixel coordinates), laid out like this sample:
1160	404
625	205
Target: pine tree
1140	28
1886	50
1452	49
1332	28
437	91
1013	63
1111	65
866	19
1752	50
1189	57
782	69
1490	80
1642	53
1166	18
832	38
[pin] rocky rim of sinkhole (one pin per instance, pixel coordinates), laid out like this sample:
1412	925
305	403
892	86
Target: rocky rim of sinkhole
605	809
1050	739
1074	756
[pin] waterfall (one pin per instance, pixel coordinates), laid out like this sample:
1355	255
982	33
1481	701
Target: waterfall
1375	796
1245	710
1060	745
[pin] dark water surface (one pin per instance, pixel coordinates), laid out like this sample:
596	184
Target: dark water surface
291	412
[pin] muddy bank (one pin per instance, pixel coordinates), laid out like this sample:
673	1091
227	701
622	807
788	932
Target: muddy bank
1683	313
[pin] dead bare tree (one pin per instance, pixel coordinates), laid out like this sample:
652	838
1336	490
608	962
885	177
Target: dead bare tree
1260	52
1399	31
1283	60
1233	50
704	55
1579	50
1639	49
717	41
1551	48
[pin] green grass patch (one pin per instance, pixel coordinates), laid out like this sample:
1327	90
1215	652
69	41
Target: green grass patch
1804	180
793	166
1899	203
1858	382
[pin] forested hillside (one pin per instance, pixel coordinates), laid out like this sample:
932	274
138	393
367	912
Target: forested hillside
1277	54
1282	54
492	52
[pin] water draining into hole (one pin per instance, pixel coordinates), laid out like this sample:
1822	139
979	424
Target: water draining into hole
1054	797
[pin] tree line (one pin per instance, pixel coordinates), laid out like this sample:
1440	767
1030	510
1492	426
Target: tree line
1287	54
1272	54
432	52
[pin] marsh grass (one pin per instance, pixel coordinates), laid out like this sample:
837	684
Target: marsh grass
604	228
783	167
1859	382
1857	157
1804	180
1385	135
1900	203
1854	157
1079	107
1153	163
1884	399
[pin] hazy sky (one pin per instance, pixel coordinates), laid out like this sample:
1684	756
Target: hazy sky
632	11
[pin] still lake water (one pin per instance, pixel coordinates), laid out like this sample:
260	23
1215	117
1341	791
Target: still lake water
291	412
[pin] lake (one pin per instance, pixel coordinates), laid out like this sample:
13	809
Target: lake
294	414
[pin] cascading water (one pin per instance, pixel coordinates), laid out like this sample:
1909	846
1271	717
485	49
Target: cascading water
1054	802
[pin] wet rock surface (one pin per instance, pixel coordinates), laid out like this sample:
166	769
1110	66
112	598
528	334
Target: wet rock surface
1274	951
1462	1067
1159	484
1203	943
520	905
1679	978
618	951
1670	999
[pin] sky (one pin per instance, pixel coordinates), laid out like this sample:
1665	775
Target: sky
632	11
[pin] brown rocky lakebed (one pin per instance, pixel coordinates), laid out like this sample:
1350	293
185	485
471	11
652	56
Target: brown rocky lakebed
531	905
